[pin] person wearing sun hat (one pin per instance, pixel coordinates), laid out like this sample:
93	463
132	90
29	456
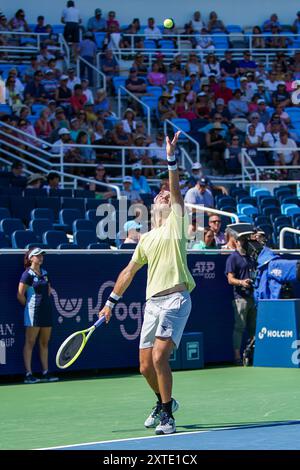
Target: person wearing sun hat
35	180
139	182
165	109
34	293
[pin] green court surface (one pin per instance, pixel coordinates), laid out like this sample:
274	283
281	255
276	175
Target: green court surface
114	407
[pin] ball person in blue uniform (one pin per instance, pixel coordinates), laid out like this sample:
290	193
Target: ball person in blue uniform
34	294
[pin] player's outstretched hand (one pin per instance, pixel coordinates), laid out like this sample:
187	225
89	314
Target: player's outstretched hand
105	312
171	146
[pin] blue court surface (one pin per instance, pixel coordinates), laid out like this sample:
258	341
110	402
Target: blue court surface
268	436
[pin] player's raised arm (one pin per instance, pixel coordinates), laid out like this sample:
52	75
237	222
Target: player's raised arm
176	197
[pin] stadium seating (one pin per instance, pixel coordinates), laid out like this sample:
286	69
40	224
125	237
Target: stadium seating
83	238
39	226
4	243
53	238
83	224
21	238
8	226
67	217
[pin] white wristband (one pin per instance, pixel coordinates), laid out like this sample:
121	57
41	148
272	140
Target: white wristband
112	300
171	158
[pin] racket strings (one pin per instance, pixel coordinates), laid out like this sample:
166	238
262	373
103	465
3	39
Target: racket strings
70	349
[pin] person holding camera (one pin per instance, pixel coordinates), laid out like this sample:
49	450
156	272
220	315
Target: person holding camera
239	271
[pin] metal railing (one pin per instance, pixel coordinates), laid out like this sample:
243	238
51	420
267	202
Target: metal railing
100	76
201	208
283	231
135	98
185	134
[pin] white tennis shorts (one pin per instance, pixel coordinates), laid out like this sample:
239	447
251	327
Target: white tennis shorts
165	317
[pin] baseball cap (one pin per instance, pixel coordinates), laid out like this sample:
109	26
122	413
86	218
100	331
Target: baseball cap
98	11
201	94
127	179
36	252
64	77
220	101
63	131
136	166
243	79
170	81
196	166
131	225
202	182
49	71
261	101
35	177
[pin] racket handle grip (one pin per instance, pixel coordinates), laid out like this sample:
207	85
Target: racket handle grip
99	322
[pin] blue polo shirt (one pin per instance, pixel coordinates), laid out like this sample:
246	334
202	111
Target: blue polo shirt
242	268
38	308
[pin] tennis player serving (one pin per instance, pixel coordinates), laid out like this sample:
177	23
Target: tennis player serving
169	284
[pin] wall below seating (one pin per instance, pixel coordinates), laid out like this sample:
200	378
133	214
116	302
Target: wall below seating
230	11
81	284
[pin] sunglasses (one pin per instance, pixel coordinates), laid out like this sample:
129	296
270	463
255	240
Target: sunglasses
235	138
215	221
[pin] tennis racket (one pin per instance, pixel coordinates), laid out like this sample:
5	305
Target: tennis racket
73	346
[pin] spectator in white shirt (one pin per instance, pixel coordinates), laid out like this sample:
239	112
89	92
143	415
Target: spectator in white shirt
271	138
87	92
197	22
272	83
129	122
286	150
259	127
70	17
152	31
72	79
157	150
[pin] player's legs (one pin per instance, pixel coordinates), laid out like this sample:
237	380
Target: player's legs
31	334
45	333
162	350
147	368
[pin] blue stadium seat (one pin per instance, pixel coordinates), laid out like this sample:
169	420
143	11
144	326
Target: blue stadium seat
4	213
83	238
295	220
254	192
166	44
99	38
33	192
149	44
58	28
128	246
52	203
225	200
236	191
247	209
42	213
74	203
290	209
61	193
261	220
151	102
91	215
154	90
53	238
4	243
244	219
38	108
268	229
39	226
230	83
92	204
67	217
110	121
234	28
68	246
8	226
21	238
269	210
83	224
5	108
21	207
36	245
99	246
282	190
290	200
248	200
268	202
84	193
117	82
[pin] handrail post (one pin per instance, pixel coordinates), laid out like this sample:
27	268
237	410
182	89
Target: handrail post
123	163
119	103
62	165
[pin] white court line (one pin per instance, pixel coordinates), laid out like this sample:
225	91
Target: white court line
128	439
178	434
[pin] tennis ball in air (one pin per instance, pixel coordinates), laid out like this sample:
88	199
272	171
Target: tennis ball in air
169	23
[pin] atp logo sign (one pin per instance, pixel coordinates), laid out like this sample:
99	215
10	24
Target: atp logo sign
205	269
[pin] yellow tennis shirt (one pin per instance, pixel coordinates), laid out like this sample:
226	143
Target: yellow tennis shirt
164	249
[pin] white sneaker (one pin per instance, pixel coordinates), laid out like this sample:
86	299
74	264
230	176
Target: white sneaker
154	417
166	425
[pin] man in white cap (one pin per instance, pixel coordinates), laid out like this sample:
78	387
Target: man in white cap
64	138
171	90
197	173
132	195
139	182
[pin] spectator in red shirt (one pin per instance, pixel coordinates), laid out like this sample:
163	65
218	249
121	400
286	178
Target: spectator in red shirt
112	21
78	99
224	92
